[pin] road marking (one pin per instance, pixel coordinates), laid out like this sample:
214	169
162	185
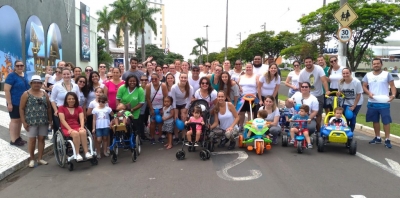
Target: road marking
358	196
223	173
393	169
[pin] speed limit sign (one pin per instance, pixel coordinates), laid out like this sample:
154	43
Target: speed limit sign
344	34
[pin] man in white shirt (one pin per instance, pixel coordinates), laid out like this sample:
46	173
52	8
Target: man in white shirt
258	68
375	84
194	79
172	70
315	75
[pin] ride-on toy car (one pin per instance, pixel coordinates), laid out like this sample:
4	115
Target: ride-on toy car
299	140
259	140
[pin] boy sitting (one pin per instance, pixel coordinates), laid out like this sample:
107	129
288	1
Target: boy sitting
121	117
303	115
338	118
261	115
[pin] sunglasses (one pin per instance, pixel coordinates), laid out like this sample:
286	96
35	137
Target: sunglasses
333	61
19	65
144	79
88	70
102	101
304	87
208	65
204	83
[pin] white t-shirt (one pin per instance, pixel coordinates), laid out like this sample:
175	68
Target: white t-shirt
311	101
59	92
314	78
267	89
210	98
350	92
270	117
235	76
378	84
260	70
295	79
335	78
94	104
194	83
102	117
179	97
92	94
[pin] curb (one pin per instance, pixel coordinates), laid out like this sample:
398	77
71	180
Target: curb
48	148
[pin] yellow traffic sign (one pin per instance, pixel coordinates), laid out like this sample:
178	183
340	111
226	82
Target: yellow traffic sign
345	15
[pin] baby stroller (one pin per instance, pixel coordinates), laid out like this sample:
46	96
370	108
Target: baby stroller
204	141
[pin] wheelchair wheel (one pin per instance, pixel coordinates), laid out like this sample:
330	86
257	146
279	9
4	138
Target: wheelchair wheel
134	155
90	136
353	147
180	155
138	145
59	148
203	155
71	167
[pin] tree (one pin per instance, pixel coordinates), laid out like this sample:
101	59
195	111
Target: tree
144	15
102	54
198	48
157	53
171	57
117	37
375	22
123	14
104	23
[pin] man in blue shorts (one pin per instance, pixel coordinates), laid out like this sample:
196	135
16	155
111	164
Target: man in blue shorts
378	82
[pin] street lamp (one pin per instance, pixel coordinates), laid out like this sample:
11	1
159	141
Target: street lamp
226	31
207	39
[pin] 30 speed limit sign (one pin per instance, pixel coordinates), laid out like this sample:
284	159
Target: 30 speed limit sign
344	34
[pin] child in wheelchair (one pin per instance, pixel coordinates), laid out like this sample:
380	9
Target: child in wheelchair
197	118
302	115
338	118
261	115
121	117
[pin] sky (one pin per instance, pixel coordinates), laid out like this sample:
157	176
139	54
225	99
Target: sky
185	19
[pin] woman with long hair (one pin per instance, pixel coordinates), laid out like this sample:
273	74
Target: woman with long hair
159	71
269	83
248	84
149	70
215	76
170	80
206	92
229	87
92	85
144	110
81	81
111	88
292	80
273	117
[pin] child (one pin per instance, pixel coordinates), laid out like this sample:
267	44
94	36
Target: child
101	122
261	115
198	119
338	117
95	103
121	116
49	74
168	120
303	115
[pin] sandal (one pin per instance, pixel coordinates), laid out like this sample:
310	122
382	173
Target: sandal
169	147
165	145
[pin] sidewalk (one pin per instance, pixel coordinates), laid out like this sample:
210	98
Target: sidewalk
12	158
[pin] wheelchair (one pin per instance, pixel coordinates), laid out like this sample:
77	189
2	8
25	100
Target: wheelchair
65	153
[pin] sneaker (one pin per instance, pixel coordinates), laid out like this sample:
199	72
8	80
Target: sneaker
88	155
144	138
177	141
22	140
108	151
42	162
291	142
274	140
79	158
106	154
376	141
309	146
163	136
232	145
190	143
153	141
32	164
161	140
17	143
99	156
388	144
157	133
196	144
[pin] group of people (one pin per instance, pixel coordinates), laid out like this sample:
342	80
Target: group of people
73	102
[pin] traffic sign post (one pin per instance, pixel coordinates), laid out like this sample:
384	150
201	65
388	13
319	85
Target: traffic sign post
345	15
344	34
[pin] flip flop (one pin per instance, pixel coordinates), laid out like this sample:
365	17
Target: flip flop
169	147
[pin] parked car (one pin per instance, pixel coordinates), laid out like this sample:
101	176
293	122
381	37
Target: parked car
396	84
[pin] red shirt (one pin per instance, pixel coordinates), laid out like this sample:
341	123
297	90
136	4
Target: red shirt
71	119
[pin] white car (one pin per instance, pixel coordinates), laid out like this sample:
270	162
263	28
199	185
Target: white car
396	84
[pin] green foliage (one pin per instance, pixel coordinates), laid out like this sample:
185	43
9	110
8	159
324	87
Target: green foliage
117	37
171	56
375	22
102	54
104	23
157	53
199	49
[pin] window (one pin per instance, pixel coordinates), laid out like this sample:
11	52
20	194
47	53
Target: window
160	1
160	45
148	37
130	43
155	18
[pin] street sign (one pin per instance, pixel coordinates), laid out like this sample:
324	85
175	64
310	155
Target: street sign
345	15
344	34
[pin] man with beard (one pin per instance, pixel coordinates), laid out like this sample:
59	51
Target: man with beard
321	62
378	82
195	78
133	70
259	68
316	77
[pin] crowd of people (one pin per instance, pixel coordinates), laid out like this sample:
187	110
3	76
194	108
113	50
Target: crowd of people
72	101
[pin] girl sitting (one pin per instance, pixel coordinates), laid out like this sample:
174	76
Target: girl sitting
197	119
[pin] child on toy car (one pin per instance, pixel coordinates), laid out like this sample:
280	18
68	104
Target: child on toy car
303	115
338	118
261	115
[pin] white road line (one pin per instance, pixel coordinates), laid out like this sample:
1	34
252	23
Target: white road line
393	168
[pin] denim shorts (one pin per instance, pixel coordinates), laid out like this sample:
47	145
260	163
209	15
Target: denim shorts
103	132
374	111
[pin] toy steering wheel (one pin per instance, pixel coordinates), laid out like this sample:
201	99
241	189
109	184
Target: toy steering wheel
249	97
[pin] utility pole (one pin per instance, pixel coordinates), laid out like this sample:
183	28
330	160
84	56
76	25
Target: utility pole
240	38
226	32
342	53
322	37
264	26
207	39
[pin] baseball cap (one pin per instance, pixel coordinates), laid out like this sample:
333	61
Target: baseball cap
36	78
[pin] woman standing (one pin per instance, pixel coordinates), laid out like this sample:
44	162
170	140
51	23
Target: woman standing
155	93
334	74
181	94
206	92
77	72
269	83
93	84
59	92
15	85
36	116
214	78
102	73
292	80
83	92
273	117
352	90
111	88
149	70
248	84
229	87
226	116
57	77
170	80
160	74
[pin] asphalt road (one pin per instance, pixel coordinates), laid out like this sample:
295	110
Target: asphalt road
280	172
394	105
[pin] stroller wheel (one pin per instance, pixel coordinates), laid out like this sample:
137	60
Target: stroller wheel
180	155
114	158
208	154
203	155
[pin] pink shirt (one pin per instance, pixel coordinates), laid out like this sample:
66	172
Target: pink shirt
199	120
112	93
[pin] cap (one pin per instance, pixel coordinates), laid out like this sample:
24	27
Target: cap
36	78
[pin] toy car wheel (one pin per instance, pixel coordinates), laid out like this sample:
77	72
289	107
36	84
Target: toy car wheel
353	147
71	167
241	144
203	155
258	148
134	155
299	147
180	155
94	161
284	140
114	158
320	144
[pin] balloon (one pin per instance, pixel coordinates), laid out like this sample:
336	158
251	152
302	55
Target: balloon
158	119
156	111
348	113
381	98
179	124
297	107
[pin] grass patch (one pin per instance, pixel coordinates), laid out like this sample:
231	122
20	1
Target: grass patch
284	73
282	97
394	127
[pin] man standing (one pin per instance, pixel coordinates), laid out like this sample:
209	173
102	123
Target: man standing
133	70
321	62
395	70
172	70
237	71
194	78
316	77
378	82
227	66
258	68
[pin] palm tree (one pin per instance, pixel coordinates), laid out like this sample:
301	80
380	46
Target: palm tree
104	22
197	49
144	15
123	14
117	37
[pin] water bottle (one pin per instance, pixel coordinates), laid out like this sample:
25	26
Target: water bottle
49	132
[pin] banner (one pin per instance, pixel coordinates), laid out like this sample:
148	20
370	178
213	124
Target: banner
85	33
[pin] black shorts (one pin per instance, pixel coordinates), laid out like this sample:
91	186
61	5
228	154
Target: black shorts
14	114
246	106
